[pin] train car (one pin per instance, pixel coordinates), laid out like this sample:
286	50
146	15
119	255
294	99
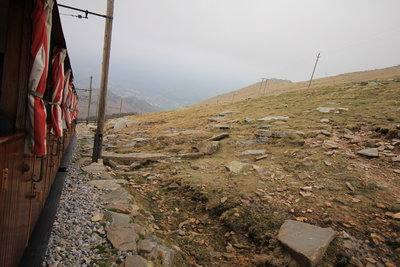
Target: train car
38	105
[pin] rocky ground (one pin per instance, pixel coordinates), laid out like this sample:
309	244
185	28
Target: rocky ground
304	178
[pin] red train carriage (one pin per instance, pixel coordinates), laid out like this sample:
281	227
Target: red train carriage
37	99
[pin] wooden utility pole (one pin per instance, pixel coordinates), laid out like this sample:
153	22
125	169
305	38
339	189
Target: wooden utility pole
315	66
98	138
259	89
120	107
265	86
90	100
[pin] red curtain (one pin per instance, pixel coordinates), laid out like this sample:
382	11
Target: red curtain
41	30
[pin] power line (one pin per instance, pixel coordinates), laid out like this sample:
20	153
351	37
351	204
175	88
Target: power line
87	12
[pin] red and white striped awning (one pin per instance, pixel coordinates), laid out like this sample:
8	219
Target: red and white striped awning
65	101
57	90
41	34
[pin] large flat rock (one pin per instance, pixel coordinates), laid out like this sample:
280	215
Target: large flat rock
95	168
369	152
135	261
122	238
307	243
105	184
118	195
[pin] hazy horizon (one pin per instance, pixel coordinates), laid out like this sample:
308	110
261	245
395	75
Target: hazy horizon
180	52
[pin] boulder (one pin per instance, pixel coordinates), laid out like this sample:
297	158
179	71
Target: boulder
369	152
307	243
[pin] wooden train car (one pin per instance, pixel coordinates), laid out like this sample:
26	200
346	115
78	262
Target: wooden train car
25	176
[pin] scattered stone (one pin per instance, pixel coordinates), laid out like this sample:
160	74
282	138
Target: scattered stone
216	119
270	133
327	163
135	261
356	262
220	127
224	199
261	157
252	152
325	109
219	137
305	194
369	152
350	186
207	147
349	136
396	171
268	118
306	242
236	166
396	159
248	120
228	112
330	144
265	126
97	217
325	120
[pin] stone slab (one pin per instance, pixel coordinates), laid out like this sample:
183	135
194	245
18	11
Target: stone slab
306	242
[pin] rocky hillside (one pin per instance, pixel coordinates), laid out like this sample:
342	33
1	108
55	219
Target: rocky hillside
308	177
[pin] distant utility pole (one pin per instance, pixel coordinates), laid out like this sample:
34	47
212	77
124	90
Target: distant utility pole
90	100
261	84
315	66
265	86
120	107
98	138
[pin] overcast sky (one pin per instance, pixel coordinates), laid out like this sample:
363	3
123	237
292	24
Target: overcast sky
188	50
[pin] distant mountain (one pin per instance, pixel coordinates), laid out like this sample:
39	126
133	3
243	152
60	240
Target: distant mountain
129	104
